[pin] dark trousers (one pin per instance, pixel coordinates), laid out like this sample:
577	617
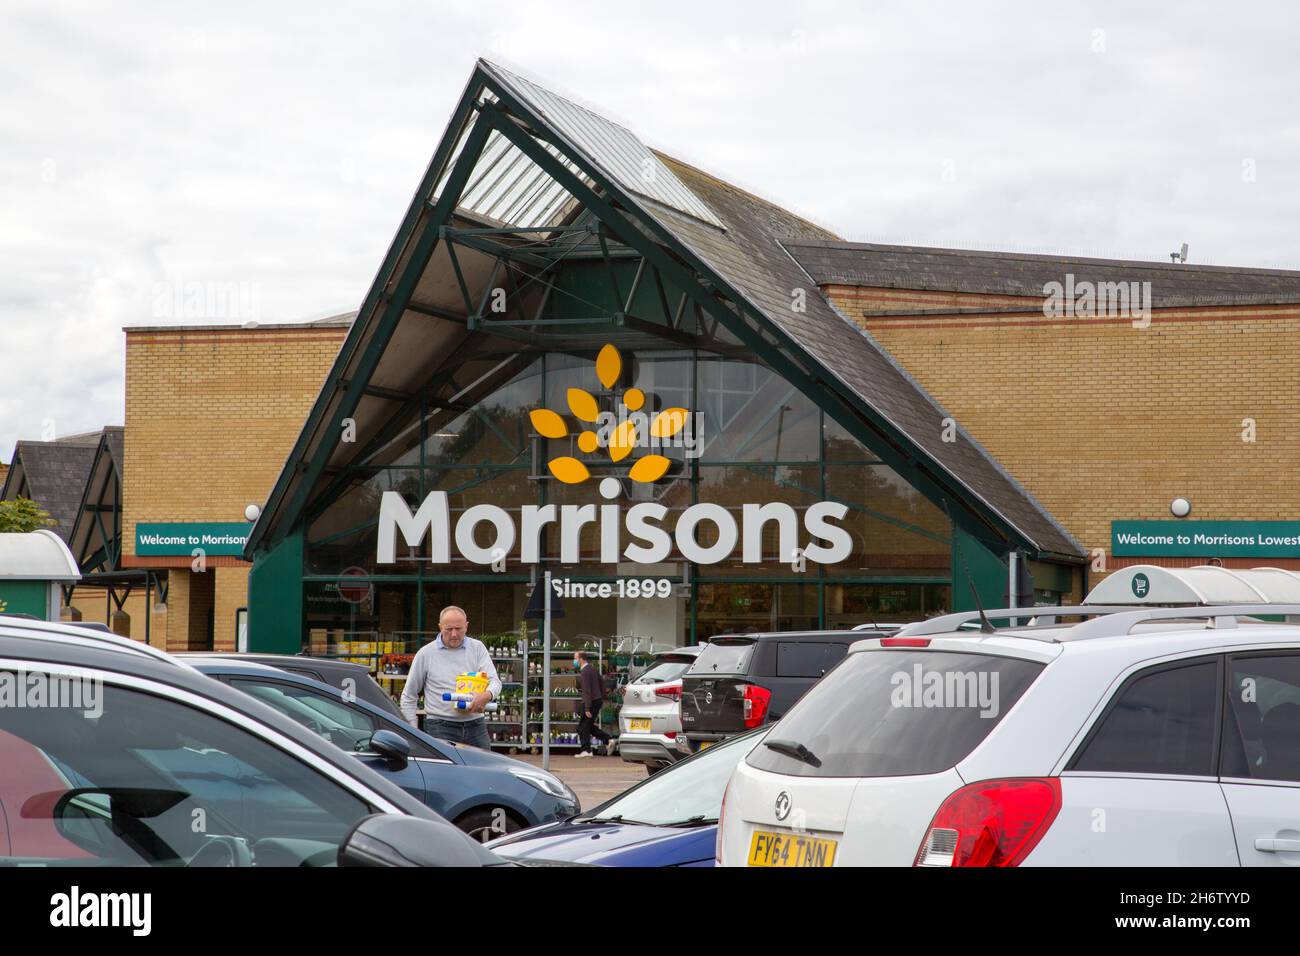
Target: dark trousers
590	726
471	732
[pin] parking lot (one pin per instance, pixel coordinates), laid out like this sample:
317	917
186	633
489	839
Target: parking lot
594	780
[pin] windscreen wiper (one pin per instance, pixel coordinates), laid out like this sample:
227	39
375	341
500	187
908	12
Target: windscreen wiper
696	821
794	749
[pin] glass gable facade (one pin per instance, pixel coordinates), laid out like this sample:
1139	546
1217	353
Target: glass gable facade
757	440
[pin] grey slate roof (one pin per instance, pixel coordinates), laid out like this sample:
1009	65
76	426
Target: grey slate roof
115	435
750	254
56	472
1014	273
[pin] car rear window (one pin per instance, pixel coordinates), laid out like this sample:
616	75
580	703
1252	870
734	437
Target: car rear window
893	713
807	658
663	672
723	657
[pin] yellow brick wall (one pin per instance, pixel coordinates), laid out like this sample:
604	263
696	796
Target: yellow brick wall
1102	421
211	416
231	594
178	612
92	602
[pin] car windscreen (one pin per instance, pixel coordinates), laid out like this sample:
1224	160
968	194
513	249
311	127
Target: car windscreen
688	793
723	657
663	672
889	713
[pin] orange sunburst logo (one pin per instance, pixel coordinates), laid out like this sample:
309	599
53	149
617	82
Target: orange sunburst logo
620	438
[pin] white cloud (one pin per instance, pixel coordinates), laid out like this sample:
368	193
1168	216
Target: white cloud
275	146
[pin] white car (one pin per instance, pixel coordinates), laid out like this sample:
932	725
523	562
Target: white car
1153	737
651	716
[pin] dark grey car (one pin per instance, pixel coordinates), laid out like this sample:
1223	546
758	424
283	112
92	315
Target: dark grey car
343	675
128	756
742	681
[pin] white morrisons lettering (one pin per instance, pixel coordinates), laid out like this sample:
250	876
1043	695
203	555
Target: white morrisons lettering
651	544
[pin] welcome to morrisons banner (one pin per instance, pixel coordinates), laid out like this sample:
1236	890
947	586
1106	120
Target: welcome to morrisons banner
1205	539
161	539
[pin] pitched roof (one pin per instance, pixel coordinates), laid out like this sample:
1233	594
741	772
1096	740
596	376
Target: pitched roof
833	262
102	489
56	473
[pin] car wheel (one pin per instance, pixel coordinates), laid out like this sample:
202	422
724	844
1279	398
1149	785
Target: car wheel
488	823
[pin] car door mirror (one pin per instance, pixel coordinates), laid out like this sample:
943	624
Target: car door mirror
393	747
96	819
391	839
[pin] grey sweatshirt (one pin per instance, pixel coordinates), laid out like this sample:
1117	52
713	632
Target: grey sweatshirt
434	672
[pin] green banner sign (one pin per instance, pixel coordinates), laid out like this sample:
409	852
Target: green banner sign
1205	539
185	537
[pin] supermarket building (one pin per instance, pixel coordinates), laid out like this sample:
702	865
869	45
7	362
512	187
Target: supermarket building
957	412
552	280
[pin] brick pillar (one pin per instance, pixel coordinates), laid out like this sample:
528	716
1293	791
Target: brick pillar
231	593
177	631
121	623
158	626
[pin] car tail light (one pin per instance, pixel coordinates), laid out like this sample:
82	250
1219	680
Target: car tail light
722	813
904	642
755	702
670	734
669	690
991	823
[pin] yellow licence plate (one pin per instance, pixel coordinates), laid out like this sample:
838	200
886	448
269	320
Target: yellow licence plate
639	724
790	849
705	744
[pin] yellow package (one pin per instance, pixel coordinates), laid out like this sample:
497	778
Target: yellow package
474	682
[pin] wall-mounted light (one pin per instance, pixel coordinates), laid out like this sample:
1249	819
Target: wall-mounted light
1180	507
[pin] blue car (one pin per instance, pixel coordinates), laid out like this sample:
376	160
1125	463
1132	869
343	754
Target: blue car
485	794
671	819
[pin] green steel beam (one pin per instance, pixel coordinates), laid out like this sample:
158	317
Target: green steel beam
495	249
396	422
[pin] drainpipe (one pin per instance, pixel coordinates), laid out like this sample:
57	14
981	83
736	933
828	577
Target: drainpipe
1012	583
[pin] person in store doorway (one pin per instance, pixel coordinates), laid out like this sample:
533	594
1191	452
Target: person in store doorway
434	671
593	698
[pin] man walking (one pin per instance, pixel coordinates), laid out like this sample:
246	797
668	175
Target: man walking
593	698
434	672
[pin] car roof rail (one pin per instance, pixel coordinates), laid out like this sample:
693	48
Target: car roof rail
1222	615
947	623
60	632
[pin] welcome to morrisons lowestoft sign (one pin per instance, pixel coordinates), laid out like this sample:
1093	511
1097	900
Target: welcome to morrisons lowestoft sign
1206	539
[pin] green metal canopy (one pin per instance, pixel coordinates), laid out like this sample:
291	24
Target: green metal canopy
526	188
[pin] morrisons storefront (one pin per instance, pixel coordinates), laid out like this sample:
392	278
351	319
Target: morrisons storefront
585	357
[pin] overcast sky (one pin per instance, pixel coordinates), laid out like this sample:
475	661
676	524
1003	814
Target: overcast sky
272	147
